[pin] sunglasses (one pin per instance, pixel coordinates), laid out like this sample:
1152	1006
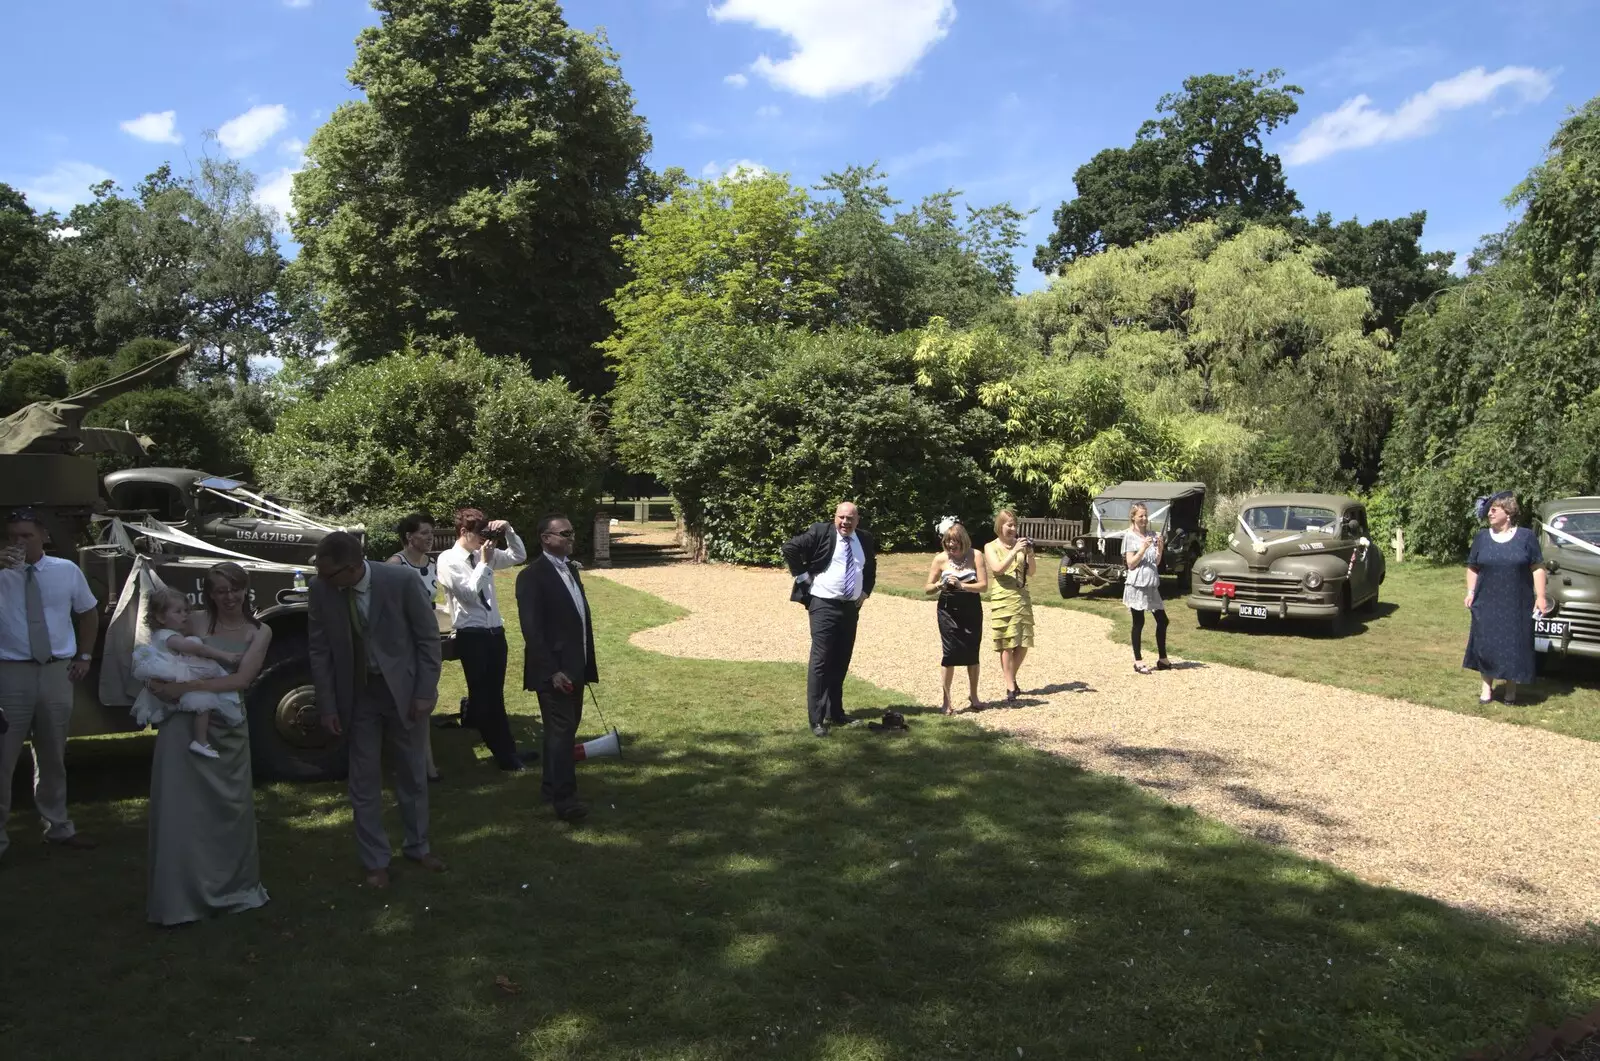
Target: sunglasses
560	534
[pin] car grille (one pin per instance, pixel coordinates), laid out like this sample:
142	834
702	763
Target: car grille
1269	589
1585	620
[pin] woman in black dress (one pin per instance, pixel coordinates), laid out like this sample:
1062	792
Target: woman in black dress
1505	583
959	575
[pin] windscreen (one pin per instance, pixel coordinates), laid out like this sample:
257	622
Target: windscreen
1298	518
1585	526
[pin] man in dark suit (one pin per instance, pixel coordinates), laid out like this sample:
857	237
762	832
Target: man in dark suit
835	566
558	657
374	647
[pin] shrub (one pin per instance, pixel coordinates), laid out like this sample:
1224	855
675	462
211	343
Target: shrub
437	426
88	373
31	378
132	354
178	421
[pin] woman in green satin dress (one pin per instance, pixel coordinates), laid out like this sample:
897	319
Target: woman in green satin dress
1011	563
203	858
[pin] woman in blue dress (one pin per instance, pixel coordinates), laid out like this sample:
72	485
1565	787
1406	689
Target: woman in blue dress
1505	583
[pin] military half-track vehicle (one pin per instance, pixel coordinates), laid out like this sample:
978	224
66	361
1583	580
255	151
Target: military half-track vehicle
47	464
1095	559
1291	556
1569	533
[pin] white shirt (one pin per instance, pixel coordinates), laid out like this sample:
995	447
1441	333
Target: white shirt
571	583
830	584
65	592
469	583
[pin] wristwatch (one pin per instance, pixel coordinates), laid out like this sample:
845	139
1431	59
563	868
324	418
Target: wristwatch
85	656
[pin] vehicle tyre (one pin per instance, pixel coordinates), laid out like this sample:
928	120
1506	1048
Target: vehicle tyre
1067	584
1186	579
287	741
1208	620
1340	623
1370	605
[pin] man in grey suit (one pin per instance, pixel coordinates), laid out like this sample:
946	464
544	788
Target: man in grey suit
375	664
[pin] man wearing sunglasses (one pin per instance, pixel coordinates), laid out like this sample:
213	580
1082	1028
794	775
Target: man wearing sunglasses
558	657
374	647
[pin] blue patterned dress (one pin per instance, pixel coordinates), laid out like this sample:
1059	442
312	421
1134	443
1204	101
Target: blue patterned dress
1501	642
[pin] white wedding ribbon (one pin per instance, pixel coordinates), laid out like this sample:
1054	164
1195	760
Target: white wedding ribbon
1564	536
271	509
153	528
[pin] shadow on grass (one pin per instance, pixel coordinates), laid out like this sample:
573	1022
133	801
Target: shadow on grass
743	888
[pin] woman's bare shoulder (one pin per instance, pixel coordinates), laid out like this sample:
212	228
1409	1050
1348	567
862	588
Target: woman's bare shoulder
199	623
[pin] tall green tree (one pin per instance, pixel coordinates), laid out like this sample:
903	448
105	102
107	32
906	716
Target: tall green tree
477	187
1201	159
1386	258
24	259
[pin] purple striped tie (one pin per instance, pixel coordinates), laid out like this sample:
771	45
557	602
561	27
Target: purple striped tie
849	569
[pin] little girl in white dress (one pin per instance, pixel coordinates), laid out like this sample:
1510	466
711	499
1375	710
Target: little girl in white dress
173	656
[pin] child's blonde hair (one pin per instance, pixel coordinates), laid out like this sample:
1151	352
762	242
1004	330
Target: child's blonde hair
160	601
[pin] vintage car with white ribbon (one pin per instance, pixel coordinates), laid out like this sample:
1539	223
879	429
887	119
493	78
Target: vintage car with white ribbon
1291	556
1569	533
1093	559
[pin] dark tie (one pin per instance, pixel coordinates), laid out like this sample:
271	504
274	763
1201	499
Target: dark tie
849	570
38	631
358	634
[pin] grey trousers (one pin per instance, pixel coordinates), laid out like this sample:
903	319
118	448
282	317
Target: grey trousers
375	723
37	700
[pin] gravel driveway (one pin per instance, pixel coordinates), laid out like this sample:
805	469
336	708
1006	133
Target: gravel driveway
1484	815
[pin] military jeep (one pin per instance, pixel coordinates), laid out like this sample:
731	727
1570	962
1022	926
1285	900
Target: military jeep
1094	559
1291	556
1569	533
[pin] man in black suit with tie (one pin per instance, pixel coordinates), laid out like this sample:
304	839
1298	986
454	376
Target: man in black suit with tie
558	657
835	566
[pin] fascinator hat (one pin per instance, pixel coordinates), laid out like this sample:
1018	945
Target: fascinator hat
944	525
1480	507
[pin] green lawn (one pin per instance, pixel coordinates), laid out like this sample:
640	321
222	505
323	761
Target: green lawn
745	890
1409	647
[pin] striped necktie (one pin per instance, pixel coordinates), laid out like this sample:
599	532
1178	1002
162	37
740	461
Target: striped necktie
849	569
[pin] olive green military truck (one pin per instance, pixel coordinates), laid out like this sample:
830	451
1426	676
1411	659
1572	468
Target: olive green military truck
1094	559
177	523
1291	556
1569	533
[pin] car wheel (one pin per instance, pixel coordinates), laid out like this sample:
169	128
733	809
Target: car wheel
1067	584
1186	580
1208	620
1340	623
1370	605
287	741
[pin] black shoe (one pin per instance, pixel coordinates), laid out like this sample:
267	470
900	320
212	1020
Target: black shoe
843	720
819	730
1163	664
575	811
434	779
513	765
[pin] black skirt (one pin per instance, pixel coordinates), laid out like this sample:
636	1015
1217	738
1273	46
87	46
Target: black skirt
960	628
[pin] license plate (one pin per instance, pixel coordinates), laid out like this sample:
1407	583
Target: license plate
1550	628
1224	589
1252	611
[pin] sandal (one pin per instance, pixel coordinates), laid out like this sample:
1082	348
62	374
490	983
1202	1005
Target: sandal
974	705
947	709
1163	664
1012	694
1140	667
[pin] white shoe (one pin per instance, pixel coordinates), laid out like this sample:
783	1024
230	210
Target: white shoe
203	749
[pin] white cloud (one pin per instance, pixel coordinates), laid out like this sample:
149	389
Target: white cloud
1372	59
65	232
273	191
843	45
736	80
249	132
63	187
743	168
292	146
156	127
1357	123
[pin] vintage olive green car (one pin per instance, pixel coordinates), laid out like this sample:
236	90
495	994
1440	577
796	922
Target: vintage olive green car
1094	559
1569	532
1291	556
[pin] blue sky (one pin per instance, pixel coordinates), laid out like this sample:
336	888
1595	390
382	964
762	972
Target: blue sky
1440	106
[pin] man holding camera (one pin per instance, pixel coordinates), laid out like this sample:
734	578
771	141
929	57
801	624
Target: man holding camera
466	574
835	566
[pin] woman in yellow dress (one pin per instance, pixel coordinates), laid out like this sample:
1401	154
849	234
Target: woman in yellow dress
1011	564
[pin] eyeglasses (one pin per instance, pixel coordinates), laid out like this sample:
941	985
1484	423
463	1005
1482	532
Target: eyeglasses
560	534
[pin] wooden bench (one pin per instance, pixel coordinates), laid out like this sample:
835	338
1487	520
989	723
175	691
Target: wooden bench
1056	533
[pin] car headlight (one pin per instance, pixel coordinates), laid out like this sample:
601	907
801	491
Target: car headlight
1079	543
1554	607
1313	580
1207	575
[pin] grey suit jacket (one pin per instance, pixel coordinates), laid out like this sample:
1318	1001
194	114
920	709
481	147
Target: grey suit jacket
402	636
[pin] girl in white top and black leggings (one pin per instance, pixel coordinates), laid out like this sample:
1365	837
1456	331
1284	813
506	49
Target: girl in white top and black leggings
1141	551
